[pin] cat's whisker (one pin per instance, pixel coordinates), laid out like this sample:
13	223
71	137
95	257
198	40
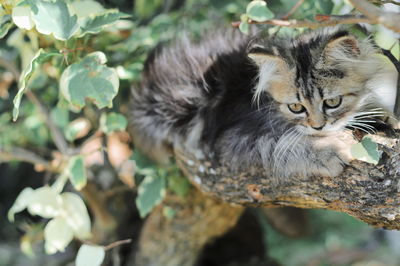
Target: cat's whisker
281	144
366	127
289	144
359	128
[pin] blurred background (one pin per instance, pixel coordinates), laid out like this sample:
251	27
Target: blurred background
320	237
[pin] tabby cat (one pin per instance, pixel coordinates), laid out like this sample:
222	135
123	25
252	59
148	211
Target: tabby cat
286	104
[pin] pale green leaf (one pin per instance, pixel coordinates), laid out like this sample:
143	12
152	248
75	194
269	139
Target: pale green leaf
45	202
150	193
77	172
76	215
367	151
4	28
57	235
257	10
178	184
168	212
38	58
244	27
85	8
89	255
112	122
90	79
96	23
78	128
20	203
53	17
22	17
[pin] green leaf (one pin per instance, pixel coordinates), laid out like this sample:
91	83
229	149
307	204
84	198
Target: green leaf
168	212
53	17
366	150
94	24
76	215
22	17
60	116
178	184
142	162
150	193
57	235
4	28
45	202
112	122
77	172
89	255
324	6
244	27
20	203
257	10
90	79
40	57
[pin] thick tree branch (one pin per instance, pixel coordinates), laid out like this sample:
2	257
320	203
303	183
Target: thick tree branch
368	192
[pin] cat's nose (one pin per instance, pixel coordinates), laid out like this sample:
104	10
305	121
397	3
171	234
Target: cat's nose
318	128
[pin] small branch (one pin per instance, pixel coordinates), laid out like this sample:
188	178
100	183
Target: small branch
390	20
323	21
56	133
117	243
293	9
396	64
20	154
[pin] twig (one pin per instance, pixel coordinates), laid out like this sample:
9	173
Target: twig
55	132
117	243
24	155
324	21
396	63
390	20
293	9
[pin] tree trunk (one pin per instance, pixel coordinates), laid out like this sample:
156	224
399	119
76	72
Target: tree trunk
180	239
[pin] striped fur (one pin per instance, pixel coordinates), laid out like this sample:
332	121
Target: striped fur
228	96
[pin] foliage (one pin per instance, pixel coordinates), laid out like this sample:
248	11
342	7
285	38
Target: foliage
66	68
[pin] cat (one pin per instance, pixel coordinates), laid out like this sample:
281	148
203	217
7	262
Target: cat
287	104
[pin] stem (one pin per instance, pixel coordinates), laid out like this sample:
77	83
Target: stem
117	243
24	155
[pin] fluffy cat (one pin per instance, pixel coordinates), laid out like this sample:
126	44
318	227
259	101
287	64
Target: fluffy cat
285	104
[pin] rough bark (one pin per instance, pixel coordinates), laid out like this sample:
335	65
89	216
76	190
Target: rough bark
179	240
368	192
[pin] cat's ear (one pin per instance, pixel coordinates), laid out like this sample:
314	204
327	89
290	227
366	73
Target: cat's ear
346	45
261	55
261	58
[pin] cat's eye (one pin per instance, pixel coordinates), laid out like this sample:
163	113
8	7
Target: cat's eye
333	102
296	108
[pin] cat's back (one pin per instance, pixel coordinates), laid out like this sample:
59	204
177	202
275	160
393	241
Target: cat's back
180	82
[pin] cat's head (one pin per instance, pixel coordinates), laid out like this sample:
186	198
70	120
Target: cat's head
323	81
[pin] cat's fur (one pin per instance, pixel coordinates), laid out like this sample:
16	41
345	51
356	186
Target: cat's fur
227	97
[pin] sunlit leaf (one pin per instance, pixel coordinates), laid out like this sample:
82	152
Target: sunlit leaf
150	193
45	202
86	8
367	151
20	203
90	79
77	172
4	28
168	212
89	255
53	17
57	235
22	17
96	23
257	10
39	58
112	122
78	128
76	215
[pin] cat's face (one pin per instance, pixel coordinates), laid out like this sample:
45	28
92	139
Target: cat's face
319	85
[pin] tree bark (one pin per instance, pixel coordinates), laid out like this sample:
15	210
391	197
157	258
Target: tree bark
368	192
180	239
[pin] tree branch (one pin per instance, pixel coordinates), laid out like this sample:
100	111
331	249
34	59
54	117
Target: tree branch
368	192
20	154
390	20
